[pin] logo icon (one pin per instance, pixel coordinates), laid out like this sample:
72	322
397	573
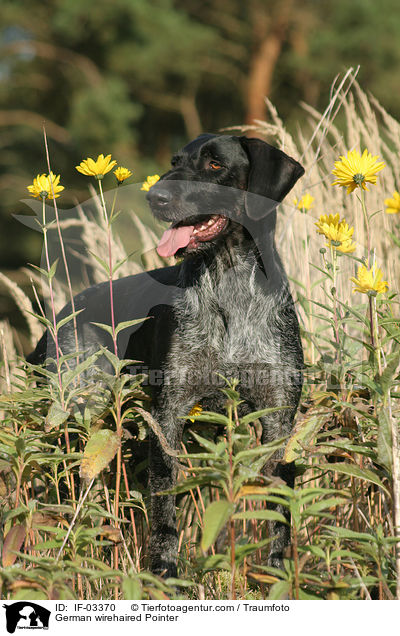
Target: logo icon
26	615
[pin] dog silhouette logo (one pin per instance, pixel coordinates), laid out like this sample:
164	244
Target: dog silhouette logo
26	615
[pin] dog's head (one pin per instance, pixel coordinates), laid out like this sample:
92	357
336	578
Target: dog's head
217	185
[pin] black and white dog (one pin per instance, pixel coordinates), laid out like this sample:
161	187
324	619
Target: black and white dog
224	309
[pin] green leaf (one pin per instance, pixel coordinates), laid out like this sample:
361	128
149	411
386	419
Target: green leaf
52	270
67	319
69	376
49	274
191	483
363	319
127	323
12	543
119	264
354	471
29	594
215	517
384	440
394	238
214	562
47	545
264	450
319	506
242	551
251	417
98	453
106	328
279	590
351	534
55	417
216	449
102	263
209	416
269	515
385	380
302	436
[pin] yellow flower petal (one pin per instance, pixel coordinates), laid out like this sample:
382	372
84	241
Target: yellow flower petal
305	203
44	186
122	174
195	410
393	204
150	181
338	233
369	280
355	171
98	168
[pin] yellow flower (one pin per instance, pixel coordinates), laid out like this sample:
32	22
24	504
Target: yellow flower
355	171
305	203
98	168
393	205
338	233
195	410
326	222
122	174
150	181
370	281
41	187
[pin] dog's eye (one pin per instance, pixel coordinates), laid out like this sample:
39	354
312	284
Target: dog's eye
175	161
214	165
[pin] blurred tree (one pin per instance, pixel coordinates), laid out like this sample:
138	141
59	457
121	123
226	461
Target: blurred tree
138	78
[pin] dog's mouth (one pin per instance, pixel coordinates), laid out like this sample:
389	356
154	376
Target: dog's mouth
190	236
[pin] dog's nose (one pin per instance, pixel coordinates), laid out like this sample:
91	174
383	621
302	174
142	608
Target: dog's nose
159	197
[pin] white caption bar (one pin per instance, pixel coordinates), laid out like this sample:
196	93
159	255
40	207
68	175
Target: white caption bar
175	618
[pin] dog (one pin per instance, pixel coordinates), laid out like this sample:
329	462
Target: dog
224	308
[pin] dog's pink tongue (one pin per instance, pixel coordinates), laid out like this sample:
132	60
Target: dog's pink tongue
173	239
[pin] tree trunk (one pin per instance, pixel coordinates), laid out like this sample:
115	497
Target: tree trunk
260	78
190	116
270	33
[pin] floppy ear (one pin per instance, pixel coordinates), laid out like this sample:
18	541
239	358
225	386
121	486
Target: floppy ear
272	175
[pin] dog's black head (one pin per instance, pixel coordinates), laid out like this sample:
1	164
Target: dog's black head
216	185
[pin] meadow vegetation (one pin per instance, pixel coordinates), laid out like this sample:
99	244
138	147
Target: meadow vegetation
74	517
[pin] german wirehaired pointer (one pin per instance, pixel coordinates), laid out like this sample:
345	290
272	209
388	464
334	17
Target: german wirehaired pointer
225	308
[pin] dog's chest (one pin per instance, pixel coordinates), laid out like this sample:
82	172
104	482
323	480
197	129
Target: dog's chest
225	324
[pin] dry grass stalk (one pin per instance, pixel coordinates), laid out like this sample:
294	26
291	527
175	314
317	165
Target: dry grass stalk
24	305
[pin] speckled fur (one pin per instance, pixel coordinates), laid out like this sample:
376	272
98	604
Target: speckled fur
229	324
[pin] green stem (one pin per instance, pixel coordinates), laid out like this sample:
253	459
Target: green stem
71	296
367	226
375	341
110	263
296	563
396	488
231	499
335	305
52	302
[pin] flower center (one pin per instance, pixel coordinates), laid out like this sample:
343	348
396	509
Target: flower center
358	178
44	194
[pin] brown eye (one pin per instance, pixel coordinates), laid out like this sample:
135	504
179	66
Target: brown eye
214	165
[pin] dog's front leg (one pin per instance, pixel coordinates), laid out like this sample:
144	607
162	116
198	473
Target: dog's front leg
274	426
163	472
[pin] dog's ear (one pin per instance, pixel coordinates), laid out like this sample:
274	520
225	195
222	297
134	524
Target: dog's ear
272	175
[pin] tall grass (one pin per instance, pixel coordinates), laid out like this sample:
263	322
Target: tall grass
74	520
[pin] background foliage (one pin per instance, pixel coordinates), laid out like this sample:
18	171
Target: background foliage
138	79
